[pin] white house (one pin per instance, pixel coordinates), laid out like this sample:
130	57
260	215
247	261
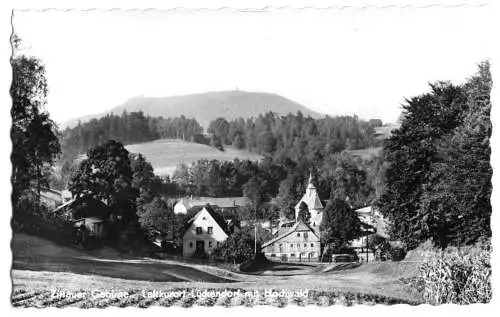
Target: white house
180	207
204	232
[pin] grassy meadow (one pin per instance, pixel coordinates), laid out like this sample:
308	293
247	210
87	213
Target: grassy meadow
166	155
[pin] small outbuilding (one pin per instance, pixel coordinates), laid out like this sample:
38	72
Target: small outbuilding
94	226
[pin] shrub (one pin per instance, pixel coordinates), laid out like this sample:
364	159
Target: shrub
397	252
456	276
389	251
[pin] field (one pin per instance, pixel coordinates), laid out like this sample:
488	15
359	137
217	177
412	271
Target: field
41	267
366	153
166	155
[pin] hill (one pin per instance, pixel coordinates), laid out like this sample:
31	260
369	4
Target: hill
205	107
166	155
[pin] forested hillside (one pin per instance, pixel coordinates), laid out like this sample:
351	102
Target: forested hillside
128	128
295	136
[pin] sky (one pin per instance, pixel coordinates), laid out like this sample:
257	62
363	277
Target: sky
363	62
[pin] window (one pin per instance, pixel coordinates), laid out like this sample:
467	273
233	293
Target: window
291	246
312	245
305	245
292	255
191	244
210	230
218	243
305	235
210	244
198	230
298	234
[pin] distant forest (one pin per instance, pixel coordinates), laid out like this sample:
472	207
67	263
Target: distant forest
127	128
292	136
295	137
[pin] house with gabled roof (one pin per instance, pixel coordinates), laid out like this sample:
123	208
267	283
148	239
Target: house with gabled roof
299	242
295	240
205	231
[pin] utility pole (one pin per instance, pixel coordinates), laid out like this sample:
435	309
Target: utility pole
255	233
255	242
367	246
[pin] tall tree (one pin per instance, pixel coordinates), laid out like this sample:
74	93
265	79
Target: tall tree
339	226
416	153
157	217
304	213
456	205
106	176
35	143
147	184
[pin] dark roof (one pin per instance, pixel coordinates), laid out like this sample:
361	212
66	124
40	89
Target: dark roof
219	219
298	226
223	202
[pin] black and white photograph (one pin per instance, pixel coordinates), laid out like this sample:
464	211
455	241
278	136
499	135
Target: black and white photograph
334	155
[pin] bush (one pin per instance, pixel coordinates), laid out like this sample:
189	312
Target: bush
387	251
397	252
456	276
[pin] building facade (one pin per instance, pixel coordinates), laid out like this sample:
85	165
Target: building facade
204	232
296	240
299	243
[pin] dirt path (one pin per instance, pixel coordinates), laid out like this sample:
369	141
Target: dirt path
40	265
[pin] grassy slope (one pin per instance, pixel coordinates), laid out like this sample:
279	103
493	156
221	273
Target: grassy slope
37	254
366	153
166	155
41	265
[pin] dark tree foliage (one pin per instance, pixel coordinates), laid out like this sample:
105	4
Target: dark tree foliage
340	225
295	136
346	176
438	183
228	178
240	246
35	143
106	176
291	191
304	213
219	128
456	207
157	217
147	184
239	141
253	189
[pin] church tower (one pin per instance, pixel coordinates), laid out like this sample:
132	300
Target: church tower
314	205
